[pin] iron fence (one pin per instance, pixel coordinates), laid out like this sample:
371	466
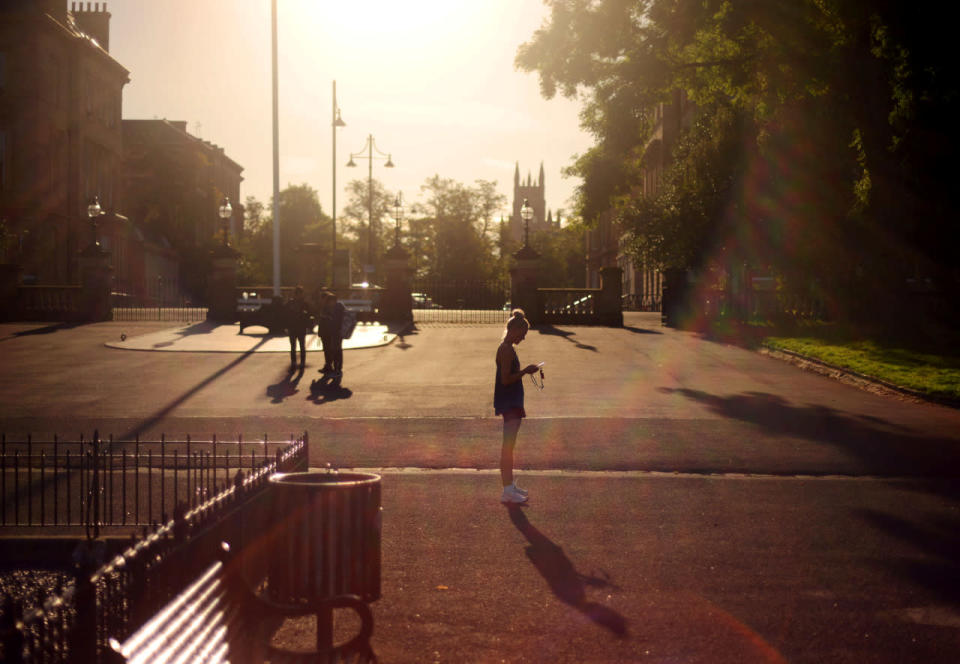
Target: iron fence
48	302
93	484
160	300
174	314
76	623
460	301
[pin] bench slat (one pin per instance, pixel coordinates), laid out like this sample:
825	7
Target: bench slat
219	619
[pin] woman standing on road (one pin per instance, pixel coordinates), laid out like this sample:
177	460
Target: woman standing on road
508	401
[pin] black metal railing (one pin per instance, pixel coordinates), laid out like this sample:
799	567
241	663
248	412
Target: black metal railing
48	302
76	623
161	300
103	483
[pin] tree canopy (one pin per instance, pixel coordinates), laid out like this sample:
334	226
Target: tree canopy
452	234
822	144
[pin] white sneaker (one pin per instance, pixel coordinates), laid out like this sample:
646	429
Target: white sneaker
522	492
511	495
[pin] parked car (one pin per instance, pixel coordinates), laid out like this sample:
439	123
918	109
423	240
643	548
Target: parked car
423	301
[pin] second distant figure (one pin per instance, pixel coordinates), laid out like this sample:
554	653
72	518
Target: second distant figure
331	336
299	321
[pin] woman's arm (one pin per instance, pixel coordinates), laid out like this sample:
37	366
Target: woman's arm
505	355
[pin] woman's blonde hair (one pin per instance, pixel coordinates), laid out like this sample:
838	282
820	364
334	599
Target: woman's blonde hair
517	320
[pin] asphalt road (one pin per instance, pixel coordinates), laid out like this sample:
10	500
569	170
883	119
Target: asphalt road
691	501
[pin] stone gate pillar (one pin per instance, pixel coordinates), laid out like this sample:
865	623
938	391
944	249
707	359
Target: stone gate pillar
523	284
313	266
610	306
96	278
9	284
395	301
222	285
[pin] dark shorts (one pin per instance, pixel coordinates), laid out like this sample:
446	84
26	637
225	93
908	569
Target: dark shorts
514	414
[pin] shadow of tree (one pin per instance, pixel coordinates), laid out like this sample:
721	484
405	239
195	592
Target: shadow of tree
46	329
640	330
203	327
882	447
564	334
939	571
162	412
564	580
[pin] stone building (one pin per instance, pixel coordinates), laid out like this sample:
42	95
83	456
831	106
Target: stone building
173	184
60	132
642	285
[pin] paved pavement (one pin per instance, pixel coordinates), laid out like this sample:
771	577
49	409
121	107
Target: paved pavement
691	501
206	337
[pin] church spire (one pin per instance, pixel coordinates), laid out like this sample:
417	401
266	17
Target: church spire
541	174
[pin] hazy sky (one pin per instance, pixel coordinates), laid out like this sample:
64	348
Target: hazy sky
432	80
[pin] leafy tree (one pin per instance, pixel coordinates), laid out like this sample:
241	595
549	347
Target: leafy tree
824	143
301	220
562	256
255	245
356	218
461	227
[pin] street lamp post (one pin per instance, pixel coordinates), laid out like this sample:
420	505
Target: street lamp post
226	212
398	210
93	213
526	213
276	151
369	148
336	121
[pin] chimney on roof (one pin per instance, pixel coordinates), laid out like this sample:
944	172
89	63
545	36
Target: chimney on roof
94	21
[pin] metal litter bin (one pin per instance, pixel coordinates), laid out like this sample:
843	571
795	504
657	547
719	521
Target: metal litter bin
327	536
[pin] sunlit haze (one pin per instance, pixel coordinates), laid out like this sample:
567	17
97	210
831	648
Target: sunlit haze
433	81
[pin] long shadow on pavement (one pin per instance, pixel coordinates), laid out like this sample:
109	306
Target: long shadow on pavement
287	386
569	585
328	389
166	410
939	570
46	329
563	334
202	327
640	330
883	448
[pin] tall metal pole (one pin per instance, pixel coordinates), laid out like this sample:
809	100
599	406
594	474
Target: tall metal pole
370	257
276	159
333	206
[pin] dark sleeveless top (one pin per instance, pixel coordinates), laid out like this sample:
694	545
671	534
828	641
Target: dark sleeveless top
507	397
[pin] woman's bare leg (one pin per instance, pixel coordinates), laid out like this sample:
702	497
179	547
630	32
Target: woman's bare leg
510	430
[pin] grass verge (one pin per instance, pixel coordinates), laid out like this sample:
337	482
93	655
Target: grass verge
926	364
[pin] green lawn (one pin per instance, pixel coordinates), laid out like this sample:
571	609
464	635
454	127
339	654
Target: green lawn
927	365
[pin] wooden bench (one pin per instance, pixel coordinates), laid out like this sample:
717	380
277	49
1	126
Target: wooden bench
219	618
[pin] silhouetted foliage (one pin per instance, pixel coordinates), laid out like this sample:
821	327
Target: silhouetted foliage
823	147
301	220
458	231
